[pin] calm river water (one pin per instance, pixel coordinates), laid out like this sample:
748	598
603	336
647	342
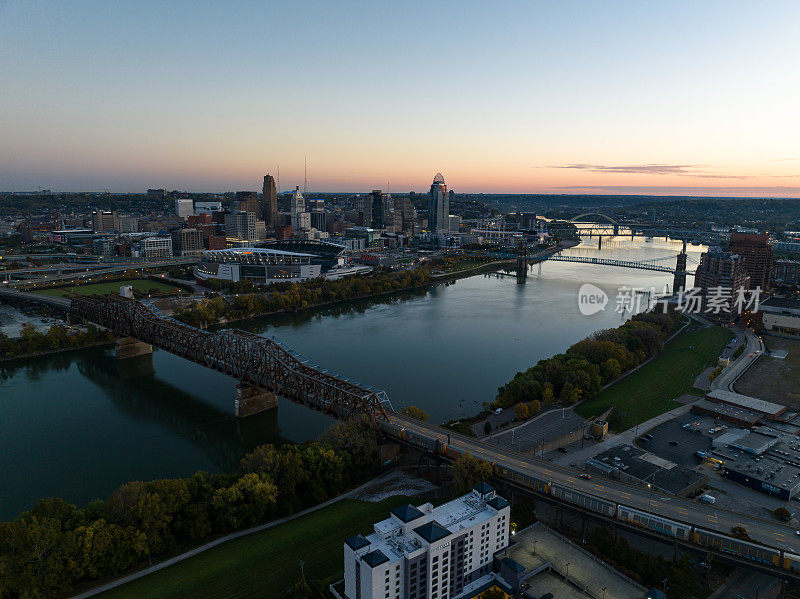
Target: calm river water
78	425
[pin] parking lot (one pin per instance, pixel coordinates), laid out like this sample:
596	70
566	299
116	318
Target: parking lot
689	441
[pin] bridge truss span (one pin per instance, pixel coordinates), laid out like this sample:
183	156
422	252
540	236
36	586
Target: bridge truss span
251	359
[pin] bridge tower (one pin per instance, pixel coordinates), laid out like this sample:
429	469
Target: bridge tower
679	281
522	263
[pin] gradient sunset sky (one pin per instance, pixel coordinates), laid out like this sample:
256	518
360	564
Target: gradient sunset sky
699	98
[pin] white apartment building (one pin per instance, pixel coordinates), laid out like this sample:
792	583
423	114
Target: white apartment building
428	553
156	247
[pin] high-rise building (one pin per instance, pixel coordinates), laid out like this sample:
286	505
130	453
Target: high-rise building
184	208
247	201
378	210
103	220
426	552
720	277
301	220
269	202
241	225
186	242
755	251
438	205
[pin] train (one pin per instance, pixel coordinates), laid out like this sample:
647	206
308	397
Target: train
618	511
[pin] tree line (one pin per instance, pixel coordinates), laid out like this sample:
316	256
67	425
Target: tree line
58	337
581	372
286	297
55	545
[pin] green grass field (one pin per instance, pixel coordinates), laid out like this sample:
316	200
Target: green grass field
140	285
650	390
265	564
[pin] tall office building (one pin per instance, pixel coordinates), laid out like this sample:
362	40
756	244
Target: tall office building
719	274
301	220
103	220
438	206
756	253
429	552
378	211
269	202
241	225
247	201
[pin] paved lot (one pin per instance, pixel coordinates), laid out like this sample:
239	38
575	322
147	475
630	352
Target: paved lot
545	427
538	544
772	379
688	442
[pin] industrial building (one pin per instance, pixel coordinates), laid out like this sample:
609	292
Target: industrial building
766	459
736	408
780	316
427	552
634	466
261	266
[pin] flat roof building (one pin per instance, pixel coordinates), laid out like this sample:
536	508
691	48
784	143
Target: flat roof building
765	408
428	552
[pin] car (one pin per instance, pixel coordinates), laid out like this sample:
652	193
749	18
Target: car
673	443
562	449
589	477
797	532
498	411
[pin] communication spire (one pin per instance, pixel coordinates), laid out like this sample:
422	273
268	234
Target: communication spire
305	175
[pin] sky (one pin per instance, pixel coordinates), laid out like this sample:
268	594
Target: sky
685	98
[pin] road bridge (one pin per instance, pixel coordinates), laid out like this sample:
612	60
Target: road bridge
268	364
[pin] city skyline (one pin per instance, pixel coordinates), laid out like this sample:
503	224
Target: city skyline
535	98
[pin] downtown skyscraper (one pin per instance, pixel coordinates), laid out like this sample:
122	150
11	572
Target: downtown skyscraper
438	206
269	202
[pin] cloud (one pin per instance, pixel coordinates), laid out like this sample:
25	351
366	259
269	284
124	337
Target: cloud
682	170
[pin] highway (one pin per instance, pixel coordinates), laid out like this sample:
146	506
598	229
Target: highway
91	271
770	533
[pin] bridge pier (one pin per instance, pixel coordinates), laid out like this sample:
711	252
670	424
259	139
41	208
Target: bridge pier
599	242
252	400
130	347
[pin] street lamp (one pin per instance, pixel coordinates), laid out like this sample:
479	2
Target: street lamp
567	567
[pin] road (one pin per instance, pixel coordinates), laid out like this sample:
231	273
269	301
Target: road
773	534
752	352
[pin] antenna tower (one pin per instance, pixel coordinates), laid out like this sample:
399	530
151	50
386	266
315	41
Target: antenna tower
305	175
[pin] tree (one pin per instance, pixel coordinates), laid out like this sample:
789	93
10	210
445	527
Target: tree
415	412
782	513
469	471
740	532
535	407
522	411
487	427
358	440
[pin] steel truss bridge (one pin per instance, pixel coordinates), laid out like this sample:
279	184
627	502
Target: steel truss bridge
267	363
251	359
640	265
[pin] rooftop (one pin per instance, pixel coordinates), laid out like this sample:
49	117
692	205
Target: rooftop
407	513
745	401
432	531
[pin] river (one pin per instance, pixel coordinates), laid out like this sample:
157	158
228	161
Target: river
79	424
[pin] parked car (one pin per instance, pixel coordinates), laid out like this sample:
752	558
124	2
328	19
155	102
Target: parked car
498	411
562	449
673	443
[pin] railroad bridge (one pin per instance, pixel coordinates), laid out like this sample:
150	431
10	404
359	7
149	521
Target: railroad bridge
265	368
